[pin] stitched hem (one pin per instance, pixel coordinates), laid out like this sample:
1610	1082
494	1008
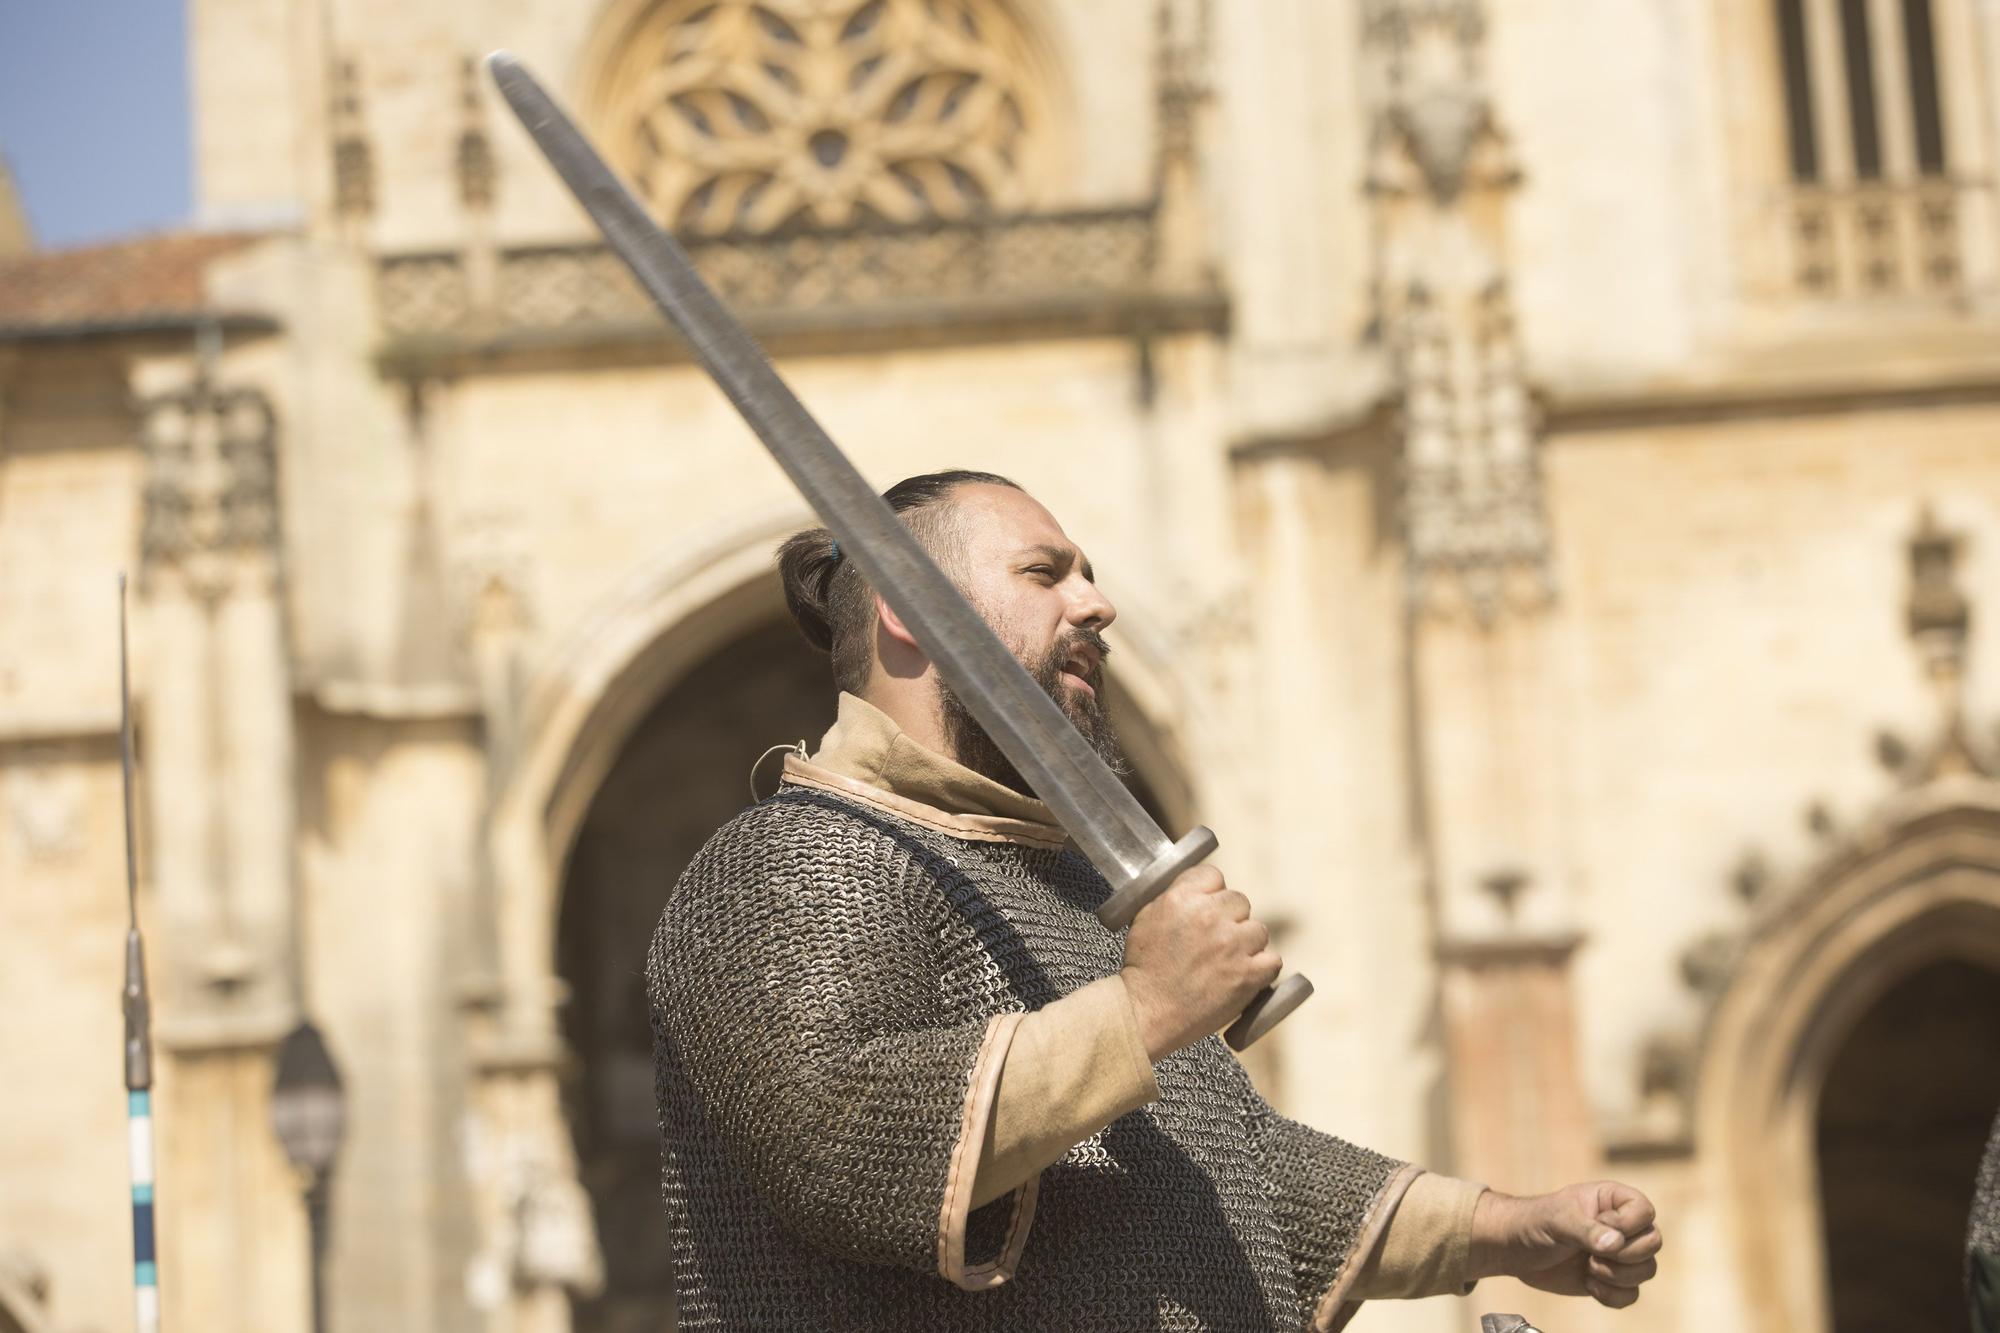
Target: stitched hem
978	828
1334	1308
957	1208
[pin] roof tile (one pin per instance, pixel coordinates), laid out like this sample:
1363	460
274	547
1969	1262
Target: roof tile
148	277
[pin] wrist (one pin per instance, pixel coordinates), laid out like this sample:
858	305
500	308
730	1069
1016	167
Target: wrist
1146	1011
1495	1227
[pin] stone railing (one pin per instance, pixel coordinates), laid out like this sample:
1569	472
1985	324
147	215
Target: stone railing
1875	240
869	276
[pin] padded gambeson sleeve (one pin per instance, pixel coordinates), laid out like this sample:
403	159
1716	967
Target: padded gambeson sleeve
794	987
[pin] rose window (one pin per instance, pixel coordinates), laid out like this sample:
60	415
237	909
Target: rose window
738	116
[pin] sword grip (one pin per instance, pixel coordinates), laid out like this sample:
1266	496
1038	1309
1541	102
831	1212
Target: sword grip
1269	1006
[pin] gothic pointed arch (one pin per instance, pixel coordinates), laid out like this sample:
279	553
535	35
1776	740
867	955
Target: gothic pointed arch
1916	889
751	116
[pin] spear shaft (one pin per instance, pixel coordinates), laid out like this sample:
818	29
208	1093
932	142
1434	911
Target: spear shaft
138	1031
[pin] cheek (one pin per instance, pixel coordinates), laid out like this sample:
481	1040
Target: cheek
1028	619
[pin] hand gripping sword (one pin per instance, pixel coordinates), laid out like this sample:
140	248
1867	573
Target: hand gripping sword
1104	818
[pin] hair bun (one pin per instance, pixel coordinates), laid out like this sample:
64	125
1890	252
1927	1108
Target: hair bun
807	563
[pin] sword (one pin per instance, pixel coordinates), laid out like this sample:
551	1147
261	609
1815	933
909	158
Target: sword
1099	813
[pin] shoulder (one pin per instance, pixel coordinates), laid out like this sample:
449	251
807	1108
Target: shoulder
816	827
803	847
824	878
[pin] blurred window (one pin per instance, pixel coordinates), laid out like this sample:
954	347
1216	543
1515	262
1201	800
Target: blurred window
1798	89
1872	211
1921	47
1867	54
1861	117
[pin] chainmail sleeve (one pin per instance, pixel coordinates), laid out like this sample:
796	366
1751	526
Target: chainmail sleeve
1982	1240
1333	1201
794	980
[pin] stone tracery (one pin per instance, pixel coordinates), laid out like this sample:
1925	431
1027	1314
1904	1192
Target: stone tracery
752	115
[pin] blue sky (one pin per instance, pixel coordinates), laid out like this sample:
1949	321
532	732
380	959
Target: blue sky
94	115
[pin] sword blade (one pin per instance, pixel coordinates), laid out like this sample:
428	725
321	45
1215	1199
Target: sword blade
1107	822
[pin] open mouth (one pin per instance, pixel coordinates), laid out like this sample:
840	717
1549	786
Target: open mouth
1080	669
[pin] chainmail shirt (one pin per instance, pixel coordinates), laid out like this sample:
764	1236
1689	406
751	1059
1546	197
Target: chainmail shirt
822	982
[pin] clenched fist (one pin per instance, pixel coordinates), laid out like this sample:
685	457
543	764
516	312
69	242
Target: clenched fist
1194	958
1598	1239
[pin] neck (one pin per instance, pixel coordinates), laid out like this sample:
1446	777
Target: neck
911	702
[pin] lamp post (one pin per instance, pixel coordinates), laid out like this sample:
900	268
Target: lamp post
309	1112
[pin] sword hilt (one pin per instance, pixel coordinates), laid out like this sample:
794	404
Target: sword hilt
1268	1007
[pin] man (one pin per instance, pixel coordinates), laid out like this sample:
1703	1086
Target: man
907	1081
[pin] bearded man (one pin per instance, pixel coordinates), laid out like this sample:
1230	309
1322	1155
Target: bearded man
907	1080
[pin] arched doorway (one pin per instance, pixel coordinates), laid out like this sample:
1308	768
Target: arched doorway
1902	1120
1850	1032
681	773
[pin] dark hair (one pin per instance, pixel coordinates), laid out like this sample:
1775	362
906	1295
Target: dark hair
829	596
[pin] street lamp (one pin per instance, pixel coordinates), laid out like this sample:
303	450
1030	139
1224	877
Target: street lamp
309	1112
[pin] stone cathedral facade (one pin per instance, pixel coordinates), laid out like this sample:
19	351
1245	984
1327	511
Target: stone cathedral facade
1547	459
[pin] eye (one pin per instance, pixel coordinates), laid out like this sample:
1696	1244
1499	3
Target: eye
1044	571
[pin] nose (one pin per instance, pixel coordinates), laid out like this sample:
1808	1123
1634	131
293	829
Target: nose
1089	608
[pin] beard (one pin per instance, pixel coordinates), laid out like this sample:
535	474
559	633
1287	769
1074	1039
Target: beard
972	747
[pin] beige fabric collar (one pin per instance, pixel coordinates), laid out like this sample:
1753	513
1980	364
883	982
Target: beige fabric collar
866	754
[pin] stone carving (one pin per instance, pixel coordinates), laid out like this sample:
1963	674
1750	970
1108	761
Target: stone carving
477	174
1940	623
1103	255
1437	112
1440	171
353	158
491	575
739	115
211	487
1183	74
1707	963
1506	885
45	805
556	1240
1183	91
1751	877
544	1235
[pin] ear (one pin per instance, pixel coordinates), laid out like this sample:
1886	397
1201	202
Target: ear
892	624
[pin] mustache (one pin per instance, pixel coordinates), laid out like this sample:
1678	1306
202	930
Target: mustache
1087	636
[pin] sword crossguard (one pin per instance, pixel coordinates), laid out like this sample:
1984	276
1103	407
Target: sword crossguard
1269	1006
1125	904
